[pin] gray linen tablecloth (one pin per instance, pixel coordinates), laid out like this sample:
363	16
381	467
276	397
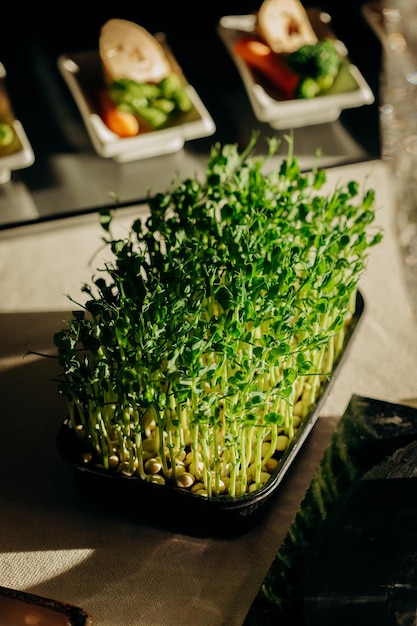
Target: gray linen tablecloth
124	573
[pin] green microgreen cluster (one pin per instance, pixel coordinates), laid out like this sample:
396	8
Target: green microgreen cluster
203	344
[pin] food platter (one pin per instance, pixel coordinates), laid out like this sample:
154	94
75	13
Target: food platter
83	74
349	90
18	153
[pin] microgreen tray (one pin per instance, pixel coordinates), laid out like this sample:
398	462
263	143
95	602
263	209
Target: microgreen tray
183	511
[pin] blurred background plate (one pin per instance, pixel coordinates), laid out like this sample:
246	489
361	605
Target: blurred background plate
18	154
83	74
349	90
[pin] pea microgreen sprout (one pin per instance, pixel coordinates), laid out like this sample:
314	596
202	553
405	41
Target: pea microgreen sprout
203	344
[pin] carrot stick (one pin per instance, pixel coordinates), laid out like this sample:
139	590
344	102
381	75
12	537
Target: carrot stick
260	57
123	123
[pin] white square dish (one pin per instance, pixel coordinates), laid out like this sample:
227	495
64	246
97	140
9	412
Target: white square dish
83	74
19	153
348	91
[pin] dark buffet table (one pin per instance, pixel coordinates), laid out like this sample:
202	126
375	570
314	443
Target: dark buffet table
52	541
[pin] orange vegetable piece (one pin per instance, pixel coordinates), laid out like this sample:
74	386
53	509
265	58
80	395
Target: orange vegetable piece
122	123
259	56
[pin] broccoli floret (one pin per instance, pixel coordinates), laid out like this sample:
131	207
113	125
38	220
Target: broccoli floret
307	88
319	61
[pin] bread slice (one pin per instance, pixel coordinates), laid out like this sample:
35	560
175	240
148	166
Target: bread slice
284	25
128	50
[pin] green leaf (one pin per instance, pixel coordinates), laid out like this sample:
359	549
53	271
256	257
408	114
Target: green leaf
106	216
